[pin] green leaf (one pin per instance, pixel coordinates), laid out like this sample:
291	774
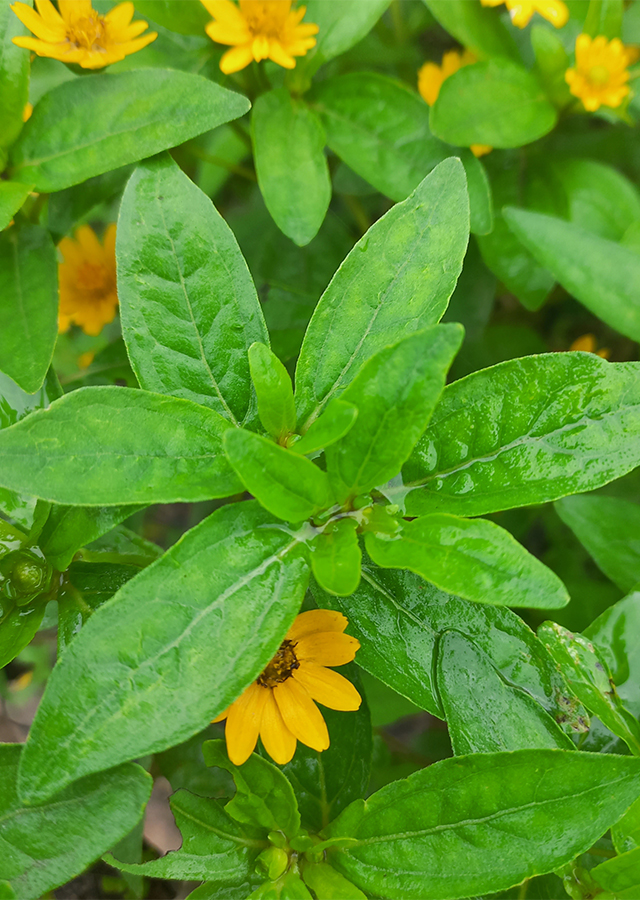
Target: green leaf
499	715
535	809
18	629
398	618
497	102
122	546
626	833
12	196
599	273
615	635
173	648
68	528
288	887
29	308
604	17
14	77
393	282
289	486
264	798
176	15
46	845
141	113
395	393
211	890
337	419
620	876
476	28
340	26
588	675
527	431
473	558
325	882
598	197
380	128
188	305
214	846
274	392
67	209
107	446
296	196
336	557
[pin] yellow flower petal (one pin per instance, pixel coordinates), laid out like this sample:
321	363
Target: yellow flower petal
49	13
243	723
480	149
430	80
278	741
316	621
327	649
328	687
586	343
235	59
121	15
89	244
278	55
72	10
301	716
37	24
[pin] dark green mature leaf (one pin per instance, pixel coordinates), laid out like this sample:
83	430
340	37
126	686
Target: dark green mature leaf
601	274
527	431
380	128
398	618
214	846
12	196
485	713
211	890
274	392
297	196
107	446
497	102
68	528
29	308
473	558
141	113
340	26
122	546
336	557
395	393
188	305
626	833
537	809
47	845
17	630
264	798
396	280
185	18
14	77
288	485
171	650
615	633
476	28
609	529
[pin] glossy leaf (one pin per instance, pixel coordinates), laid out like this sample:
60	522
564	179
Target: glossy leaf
601	274
289	486
122	546
12	196
14	77
187	301
398	618
106	446
336	557
29	308
264	798
527	431
395	393
340	26
141	113
18	629
476	28
68	528
171	650
609	529
485	713
473	558
274	392
615	634
498	102
393	282
45	846
296	196
537	808
337	419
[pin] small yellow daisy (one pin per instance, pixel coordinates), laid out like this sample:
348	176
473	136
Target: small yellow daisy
521	11
601	76
87	279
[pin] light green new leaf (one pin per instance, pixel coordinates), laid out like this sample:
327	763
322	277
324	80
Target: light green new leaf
264	798
336	557
172	649
472	558
476	28
12	196
325	882
603	275
288	887
188	305
44	846
68	528
615	634
535	809
395	394
484	712
289	486
142	112
340	26
274	392
337	419
527	431
29	307
620	876
14	77
214	846
397	279
297	196
497	102
108	446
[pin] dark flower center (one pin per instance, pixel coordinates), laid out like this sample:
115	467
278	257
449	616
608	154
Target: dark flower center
281	666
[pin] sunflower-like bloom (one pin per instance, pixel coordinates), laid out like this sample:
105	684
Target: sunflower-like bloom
77	34
279	707
601	76
259	29
87	279
588	344
430	78
521	11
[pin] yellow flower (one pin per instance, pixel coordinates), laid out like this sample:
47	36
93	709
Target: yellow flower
521	11
279	706
600	77
77	34
27	111
587	343
259	29
87	278
431	76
